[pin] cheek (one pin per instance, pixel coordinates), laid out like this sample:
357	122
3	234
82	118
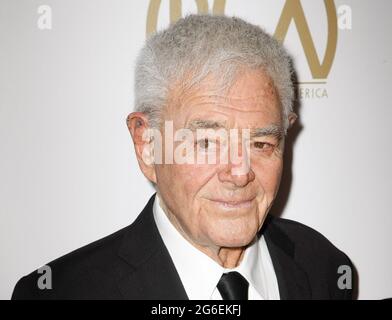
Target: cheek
192	178
268	174
183	182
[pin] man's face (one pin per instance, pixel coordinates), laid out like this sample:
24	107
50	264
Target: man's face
216	204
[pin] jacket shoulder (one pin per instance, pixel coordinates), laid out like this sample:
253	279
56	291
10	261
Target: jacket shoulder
323	262
306	238
75	274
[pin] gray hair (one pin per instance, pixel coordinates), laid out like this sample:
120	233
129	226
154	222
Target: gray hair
200	45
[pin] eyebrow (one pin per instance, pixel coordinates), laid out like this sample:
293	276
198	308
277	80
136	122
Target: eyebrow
271	130
205	124
274	130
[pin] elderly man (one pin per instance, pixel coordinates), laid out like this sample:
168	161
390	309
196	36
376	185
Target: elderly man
206	233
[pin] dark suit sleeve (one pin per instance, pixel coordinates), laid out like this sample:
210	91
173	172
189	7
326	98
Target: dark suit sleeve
336	260
26	289
348	294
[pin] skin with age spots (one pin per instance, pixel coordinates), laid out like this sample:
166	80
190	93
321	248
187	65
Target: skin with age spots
217	208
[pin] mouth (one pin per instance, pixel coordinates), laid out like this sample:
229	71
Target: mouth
230	204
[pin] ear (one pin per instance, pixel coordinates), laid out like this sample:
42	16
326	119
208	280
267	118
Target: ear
292	118
138	127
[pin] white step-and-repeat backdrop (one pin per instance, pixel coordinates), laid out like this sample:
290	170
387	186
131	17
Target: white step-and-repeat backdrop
68	174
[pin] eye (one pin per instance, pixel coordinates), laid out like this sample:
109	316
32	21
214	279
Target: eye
259	144
206	144
263	146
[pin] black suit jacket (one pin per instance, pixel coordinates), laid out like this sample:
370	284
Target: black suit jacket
133	263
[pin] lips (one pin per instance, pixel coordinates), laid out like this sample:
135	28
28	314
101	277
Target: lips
232	204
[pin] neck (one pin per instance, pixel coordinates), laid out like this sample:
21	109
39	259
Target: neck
230	257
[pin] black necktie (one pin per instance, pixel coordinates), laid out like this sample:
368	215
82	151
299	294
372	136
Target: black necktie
233	286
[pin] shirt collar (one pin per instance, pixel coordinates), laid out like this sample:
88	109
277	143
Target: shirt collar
198	272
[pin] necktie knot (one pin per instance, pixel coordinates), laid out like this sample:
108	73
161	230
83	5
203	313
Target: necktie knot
233	286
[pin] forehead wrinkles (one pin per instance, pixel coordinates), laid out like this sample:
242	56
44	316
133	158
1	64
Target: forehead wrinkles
248	93
257	102
241	104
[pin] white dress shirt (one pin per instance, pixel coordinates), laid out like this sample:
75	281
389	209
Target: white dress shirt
200	274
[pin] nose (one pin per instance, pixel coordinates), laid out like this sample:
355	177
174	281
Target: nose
238	170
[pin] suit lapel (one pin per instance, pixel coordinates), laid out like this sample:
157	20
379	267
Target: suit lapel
152	274
292	279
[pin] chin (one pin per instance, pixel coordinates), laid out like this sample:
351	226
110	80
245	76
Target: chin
234	240
234	231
